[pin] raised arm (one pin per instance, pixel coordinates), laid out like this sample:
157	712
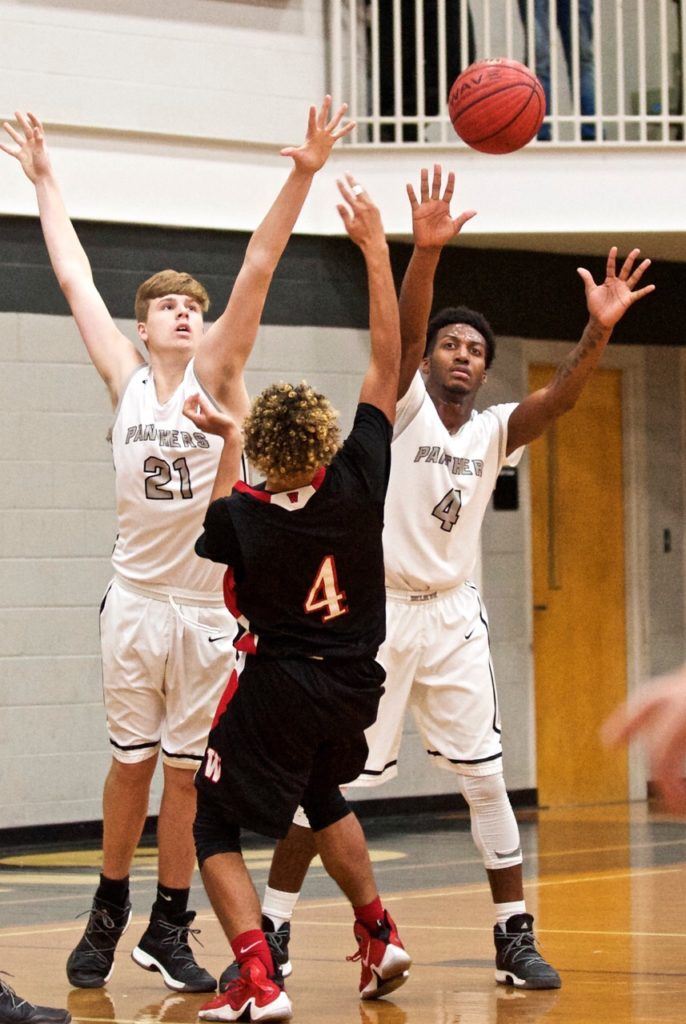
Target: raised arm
363	223
112	353
432	227
607	303
226	346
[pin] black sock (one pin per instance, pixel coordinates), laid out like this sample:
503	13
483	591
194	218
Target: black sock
172	903
114	890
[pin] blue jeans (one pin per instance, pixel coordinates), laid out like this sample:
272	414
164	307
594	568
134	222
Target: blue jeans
542	45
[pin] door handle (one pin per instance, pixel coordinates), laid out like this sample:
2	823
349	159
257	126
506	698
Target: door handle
540	607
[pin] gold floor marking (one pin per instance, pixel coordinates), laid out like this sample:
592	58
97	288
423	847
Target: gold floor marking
262	858
93	859
258	860
539	931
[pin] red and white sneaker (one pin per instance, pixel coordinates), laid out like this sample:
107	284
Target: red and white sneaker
250	995
385	963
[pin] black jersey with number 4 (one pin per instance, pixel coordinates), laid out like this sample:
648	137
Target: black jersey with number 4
306	574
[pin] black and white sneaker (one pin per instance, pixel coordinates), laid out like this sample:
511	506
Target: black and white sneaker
91	963
15	1010
164	947
517	961
277	940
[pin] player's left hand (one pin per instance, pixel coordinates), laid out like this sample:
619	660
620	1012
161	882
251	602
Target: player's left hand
208	418
322	135
608	302
432	225
657	716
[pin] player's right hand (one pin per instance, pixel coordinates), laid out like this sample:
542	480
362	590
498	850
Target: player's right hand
432	225
30	150
208	418
361	217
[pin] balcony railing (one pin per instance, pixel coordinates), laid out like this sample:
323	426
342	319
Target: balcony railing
613	70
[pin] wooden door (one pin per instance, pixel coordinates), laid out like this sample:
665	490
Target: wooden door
579	594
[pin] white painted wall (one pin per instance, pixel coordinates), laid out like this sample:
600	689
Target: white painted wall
173	113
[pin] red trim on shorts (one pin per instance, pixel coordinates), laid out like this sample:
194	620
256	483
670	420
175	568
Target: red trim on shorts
230	599
226	697
246	643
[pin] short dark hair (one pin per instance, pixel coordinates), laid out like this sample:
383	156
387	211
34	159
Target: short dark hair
460	315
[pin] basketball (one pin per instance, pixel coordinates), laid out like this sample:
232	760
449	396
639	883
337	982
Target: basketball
496	106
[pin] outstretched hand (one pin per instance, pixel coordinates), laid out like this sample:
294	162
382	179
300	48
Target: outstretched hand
608	302
657	716
322	135
30	149
208	418
432	224
360	217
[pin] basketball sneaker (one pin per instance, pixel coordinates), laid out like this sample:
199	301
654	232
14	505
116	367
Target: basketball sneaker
385	963
517	961
91	962
250	995
15	1010
164	947
277	940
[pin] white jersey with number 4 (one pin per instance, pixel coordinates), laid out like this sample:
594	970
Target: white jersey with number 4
439	490
165	470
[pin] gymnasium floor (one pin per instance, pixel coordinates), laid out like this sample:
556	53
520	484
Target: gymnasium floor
607	886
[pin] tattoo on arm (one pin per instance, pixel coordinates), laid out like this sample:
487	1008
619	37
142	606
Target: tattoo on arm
593	337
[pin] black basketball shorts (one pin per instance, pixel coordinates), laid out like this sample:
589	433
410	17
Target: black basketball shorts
289	725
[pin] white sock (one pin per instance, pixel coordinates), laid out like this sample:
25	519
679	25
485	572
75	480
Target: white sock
278	906
504	911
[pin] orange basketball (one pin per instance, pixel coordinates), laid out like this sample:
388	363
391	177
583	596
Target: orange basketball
496	106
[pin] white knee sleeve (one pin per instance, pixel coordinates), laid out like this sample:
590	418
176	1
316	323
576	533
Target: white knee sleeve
494	826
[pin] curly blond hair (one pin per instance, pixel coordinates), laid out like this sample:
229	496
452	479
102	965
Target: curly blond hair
291	429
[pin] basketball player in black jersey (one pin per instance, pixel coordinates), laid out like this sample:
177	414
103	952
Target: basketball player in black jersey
305	580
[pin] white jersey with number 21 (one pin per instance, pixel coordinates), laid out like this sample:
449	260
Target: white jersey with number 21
439	490
165	470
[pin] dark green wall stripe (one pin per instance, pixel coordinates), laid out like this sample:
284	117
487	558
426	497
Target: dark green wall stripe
321	281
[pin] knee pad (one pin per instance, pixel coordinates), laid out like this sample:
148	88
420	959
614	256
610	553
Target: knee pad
494	826
324	808
212	834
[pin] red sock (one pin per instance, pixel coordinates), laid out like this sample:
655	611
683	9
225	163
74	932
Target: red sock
253	943
371	916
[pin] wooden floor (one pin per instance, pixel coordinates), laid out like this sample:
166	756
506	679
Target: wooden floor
607	886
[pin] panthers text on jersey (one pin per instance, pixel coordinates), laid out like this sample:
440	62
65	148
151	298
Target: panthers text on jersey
439	490
165	470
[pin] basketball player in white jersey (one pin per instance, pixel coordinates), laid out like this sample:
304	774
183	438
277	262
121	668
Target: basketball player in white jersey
446	458
166	637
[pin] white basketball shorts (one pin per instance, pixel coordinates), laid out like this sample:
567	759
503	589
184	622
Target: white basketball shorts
165	666
437	660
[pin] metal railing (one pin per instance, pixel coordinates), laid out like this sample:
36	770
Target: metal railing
613	70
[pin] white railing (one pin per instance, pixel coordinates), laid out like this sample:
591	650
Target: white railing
614	70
